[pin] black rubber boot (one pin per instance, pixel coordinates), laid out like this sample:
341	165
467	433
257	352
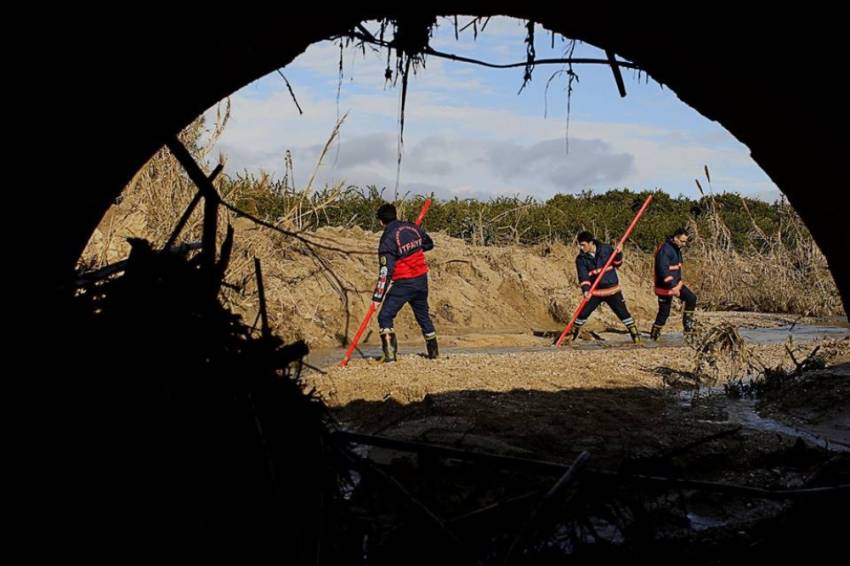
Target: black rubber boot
389	344
688	321
655	333
432	347
634	333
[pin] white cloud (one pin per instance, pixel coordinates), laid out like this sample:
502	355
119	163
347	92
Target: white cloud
459	142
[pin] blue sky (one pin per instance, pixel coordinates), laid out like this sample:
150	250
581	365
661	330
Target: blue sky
468	133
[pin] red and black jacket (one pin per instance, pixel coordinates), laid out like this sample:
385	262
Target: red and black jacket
668	269
589	266
401	254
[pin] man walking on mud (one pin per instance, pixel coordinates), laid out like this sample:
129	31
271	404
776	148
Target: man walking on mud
592	257
402	278
669	283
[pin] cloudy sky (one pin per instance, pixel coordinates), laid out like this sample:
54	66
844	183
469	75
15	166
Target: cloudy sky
469	134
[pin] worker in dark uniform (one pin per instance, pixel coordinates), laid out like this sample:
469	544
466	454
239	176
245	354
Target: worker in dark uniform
403	278
589	263
669	283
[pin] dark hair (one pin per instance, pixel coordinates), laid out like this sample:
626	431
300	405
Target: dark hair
680	231
386	213
584	236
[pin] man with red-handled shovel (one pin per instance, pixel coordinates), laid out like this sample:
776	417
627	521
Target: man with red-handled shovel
402	279
590	262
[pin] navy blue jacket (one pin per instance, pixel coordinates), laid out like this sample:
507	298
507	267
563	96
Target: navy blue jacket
401	254
589	266
668	269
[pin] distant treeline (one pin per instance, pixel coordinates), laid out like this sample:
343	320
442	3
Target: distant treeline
523	220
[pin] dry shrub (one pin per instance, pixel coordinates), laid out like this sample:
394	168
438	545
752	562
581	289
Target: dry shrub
720	352
782	272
